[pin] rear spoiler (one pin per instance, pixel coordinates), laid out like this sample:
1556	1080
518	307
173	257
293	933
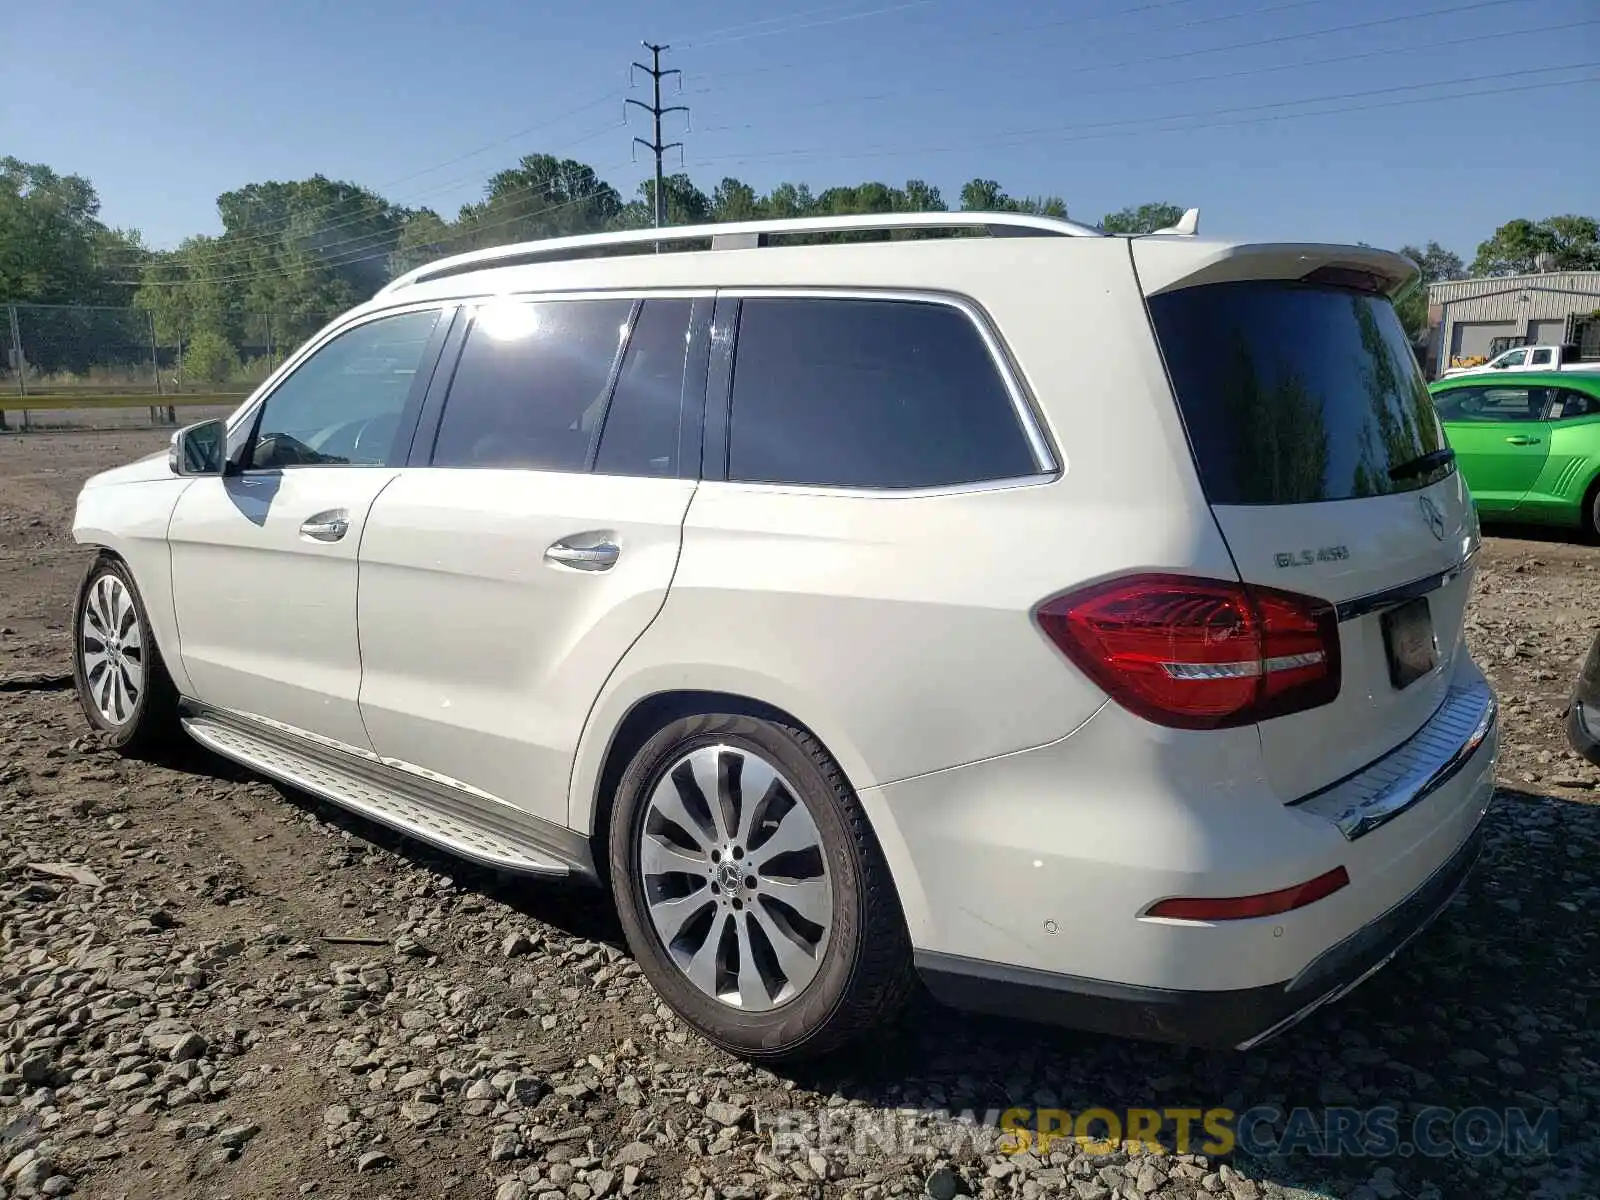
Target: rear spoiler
1165	265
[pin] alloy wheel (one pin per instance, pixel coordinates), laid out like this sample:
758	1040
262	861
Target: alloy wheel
735	878
112	649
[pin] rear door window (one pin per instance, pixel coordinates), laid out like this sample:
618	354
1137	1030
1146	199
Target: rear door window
1295	394
864	393
1513	404
1492	404
531	385
1541	358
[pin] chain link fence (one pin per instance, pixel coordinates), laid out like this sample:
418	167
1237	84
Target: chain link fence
60	364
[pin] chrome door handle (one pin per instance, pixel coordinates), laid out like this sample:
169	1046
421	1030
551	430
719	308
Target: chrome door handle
325	527
1522	441
599	557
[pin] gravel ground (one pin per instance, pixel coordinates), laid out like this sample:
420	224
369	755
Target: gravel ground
214	987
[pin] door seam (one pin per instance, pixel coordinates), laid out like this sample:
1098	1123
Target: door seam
588	717
361	662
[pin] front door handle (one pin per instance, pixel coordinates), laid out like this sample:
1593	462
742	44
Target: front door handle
326	526
602	556
1520	440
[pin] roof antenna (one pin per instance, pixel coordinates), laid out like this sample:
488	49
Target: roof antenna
1187	225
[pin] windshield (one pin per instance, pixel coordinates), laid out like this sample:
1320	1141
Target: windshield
1294	394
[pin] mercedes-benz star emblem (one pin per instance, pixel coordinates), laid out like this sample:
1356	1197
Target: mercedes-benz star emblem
1432	515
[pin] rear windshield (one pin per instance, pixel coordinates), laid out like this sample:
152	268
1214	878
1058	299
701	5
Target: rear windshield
1294	394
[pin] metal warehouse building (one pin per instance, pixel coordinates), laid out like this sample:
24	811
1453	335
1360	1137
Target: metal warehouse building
1473	318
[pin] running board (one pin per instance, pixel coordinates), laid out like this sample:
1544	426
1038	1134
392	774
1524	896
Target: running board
471	825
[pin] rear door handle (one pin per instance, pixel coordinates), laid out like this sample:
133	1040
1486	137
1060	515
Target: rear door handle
325	526
602	556
1522	441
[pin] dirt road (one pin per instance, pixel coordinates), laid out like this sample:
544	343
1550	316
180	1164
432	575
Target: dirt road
213	987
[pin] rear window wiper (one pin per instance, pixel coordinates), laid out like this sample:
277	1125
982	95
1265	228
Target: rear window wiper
1423	464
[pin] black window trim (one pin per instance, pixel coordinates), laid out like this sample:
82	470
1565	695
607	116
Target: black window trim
624	343
249	413
719	390
692	396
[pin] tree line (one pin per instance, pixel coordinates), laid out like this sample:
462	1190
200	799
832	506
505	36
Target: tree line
304	250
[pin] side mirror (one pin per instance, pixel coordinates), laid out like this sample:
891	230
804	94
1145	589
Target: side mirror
200	449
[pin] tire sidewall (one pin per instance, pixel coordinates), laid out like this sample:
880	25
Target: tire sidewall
116	735
787	1028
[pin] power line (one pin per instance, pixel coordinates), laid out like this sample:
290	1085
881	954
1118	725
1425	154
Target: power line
1039	27
656	74
1073	134
351	257
1119	128
370	239
238	247
1498	34
711	43
271	230
690	39
1214	19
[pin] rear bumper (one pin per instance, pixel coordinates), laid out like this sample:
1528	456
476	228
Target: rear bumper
1239	1018
1037	872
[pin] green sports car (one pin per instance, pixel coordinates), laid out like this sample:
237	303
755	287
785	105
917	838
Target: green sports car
1528	444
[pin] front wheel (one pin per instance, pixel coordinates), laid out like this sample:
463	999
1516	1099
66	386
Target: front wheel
122	684
752	890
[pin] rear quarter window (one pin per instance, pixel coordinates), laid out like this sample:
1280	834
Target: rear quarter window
1295	394
869	394
1569	404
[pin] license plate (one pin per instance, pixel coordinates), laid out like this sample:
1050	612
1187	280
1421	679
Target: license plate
1408	641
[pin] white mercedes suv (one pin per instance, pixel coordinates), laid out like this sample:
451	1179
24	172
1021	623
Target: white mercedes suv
1071	621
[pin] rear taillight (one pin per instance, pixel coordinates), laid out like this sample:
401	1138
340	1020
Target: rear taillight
1199	653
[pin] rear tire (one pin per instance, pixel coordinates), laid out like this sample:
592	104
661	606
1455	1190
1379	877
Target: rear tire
122	682
787	947
1591	512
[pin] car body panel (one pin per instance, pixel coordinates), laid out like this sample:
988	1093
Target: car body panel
481	660
1548	480
1583	708
1343	551
266	614
127	510
1502	461
1026	859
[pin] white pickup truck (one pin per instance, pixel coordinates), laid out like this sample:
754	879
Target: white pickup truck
1528	358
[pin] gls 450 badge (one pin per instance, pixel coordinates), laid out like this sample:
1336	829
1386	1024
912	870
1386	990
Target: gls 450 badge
1307	558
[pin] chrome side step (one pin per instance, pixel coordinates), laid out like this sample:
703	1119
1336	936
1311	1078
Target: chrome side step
471	825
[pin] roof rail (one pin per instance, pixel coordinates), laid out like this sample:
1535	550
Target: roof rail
739	235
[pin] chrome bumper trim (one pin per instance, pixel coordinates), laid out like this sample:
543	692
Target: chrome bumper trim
1407	775
1360	606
